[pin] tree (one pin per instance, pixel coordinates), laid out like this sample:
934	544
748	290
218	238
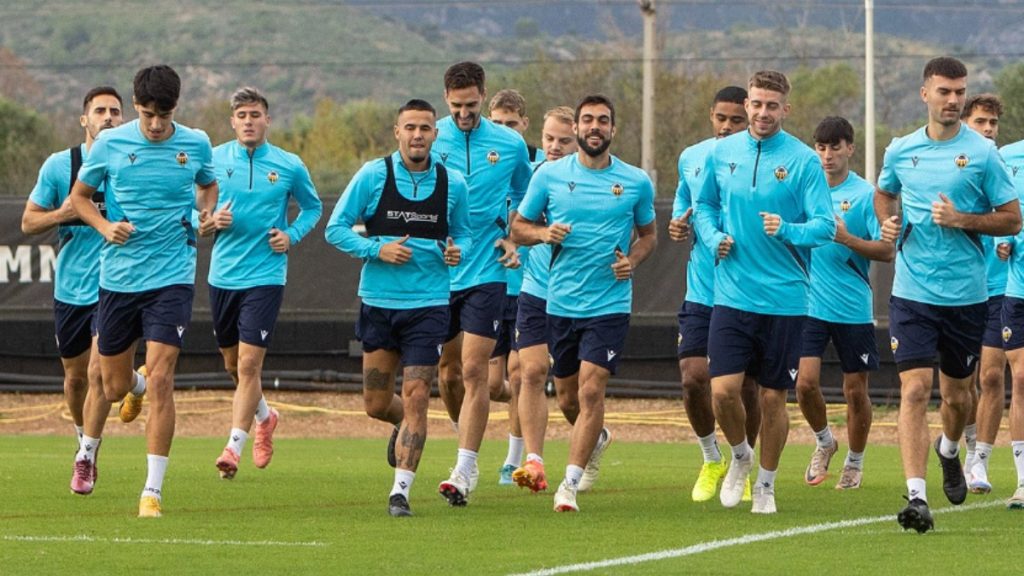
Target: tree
26	139
1010	86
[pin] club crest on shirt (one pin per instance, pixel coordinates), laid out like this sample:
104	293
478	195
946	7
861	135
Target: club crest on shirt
617	189
894	343
272	177
961	161
1007	333
781	173
182	158
230	172
845	205
132	157
493	157
915	160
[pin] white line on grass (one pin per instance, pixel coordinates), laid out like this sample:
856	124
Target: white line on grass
738	541
171	541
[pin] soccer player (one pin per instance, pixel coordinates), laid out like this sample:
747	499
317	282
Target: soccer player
508	108
156	172
981	114
250	264
1013	327
841	308
952	187
494	161
416	213
593	203
76	288
762	205
727	117
558	141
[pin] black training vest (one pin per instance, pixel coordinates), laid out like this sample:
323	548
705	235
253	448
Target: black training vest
396	215
98	197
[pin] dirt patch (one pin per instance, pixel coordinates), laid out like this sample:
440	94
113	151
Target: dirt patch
332	415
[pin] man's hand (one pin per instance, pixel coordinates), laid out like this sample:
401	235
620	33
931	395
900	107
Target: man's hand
118	232
944	213
395	252
219	220
556	233
509	253
1004	250
622	267
891	228
842	235
452	253
679	229
280	242
772	222
725	246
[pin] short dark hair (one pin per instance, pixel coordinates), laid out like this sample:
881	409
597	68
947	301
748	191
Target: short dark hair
99	91
731	94
833	130
946	67
247	96
417	104
770	80
987	102
158	85
594	99
464	75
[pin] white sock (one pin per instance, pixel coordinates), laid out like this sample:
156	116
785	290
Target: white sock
87	450
948	448
766	478
80	433
742	451
236	440
140	384
156	468
709	446
573	474
854	460
515	451
916	489
535	457
971	438
262	410
403	482
466	462
979	466
824	437
1018	460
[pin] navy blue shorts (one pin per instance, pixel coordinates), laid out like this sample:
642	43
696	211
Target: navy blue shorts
993	337
764	346
920	330
477	310
507	331
161	315
1013	323
417	334
597	340
531	321
246	315
74	328
694	322
854	343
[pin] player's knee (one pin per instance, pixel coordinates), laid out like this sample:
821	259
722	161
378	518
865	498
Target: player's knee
376	407
856	393
915	393
693	386
416	399
75	383
248	368
992	379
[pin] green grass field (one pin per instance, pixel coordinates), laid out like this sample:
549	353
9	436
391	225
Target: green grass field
321	507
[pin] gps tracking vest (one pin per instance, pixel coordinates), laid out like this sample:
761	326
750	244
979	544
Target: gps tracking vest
396	215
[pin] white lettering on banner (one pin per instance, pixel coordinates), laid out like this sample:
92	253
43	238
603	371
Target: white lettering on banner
18	263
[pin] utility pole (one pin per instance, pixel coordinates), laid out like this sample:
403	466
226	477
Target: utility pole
647	129
869	91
